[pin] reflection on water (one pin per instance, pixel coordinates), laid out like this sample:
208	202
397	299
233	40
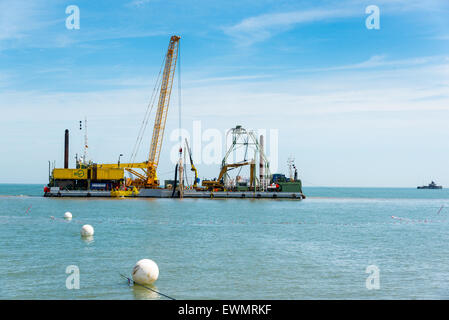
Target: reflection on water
87	239
143	293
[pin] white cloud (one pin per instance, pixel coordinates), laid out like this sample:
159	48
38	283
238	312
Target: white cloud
40	24
422	84
19	19
380	61
441	37
262	27
138	3
230	78
259	28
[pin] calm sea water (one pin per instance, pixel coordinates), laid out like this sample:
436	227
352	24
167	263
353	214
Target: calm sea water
229	249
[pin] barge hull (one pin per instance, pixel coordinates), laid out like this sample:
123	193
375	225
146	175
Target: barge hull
167	193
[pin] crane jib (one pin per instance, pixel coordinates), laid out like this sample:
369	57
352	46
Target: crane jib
162	109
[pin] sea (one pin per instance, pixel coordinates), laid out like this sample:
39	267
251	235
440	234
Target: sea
338	243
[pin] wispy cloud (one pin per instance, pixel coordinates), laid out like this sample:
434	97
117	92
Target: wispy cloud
407	5
4	79
18	18
262	27
60	38
40	24
380	61
231	78
441	37
65	40
137	3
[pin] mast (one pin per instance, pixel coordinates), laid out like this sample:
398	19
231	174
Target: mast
162	110
85	141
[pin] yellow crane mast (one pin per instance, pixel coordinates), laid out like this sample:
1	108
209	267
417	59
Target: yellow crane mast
147	178
162	110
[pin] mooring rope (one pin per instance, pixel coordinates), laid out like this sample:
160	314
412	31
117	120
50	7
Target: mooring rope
132	281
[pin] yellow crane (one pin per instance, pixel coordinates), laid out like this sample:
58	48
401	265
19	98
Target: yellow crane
192	166
147	176
218	184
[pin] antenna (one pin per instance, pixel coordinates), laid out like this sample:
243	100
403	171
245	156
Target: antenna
85	141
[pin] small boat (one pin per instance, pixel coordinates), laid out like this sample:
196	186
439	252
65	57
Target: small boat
432	185
129	192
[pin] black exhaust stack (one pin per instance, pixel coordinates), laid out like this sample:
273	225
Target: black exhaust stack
66	149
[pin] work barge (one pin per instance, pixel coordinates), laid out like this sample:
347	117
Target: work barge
140	180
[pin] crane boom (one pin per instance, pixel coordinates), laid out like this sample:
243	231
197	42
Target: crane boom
192	166
218	184
164	100
162	110
146	177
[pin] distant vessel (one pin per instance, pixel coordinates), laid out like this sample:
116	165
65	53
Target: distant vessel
432	185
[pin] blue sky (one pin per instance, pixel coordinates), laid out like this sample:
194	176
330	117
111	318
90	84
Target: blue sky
355	107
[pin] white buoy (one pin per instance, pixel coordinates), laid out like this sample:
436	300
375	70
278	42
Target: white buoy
145	271
87	230
68	215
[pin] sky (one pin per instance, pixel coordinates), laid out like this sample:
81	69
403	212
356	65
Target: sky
354	106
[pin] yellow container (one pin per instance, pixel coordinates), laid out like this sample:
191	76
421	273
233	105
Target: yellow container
110	174
92	173
70	174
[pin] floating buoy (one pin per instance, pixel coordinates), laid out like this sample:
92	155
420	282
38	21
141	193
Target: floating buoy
87	230
145	271
68	215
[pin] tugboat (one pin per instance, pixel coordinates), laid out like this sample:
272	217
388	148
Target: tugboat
432	185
